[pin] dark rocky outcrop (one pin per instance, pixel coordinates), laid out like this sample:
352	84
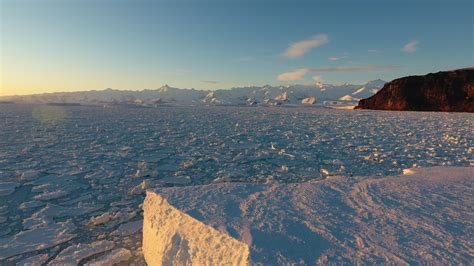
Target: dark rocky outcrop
448	91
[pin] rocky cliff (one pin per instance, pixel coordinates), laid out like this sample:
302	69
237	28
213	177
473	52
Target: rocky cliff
448	91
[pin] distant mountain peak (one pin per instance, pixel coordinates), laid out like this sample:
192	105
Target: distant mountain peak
250	95
375	82
164	88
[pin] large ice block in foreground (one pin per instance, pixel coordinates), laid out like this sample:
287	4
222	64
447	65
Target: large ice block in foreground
171	237
423	216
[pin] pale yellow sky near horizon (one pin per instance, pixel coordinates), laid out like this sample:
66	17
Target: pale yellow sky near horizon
29	88
51	46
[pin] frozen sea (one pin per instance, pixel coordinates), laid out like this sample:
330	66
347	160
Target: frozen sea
72	178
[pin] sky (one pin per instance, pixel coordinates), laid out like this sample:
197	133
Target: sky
71	45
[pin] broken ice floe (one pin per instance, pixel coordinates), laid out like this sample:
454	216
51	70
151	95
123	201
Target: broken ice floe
83	167
74	254
7	188
39	237
116	256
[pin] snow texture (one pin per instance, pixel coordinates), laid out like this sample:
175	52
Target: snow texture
426	217
76	253
117	256
171	237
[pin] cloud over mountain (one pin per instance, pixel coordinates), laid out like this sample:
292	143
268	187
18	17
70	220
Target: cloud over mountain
296	74
299	73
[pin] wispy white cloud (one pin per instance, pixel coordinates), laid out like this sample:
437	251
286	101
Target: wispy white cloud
210	81
410	47
296	74
367	68
337	58
300	48
299	73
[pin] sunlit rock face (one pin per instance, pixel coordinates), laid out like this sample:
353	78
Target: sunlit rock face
423	216
171	237
448	91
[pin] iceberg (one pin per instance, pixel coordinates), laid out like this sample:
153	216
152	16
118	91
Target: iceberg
171	237
309	100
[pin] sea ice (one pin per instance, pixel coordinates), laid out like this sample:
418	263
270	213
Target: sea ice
116	256
51	195
29	175
82	166
31	204
171	237
128	228
309	100
40	237
74	254
101	219
7	188
35	260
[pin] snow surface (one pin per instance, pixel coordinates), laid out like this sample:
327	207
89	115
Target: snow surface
369	88
348	98
426	217
74	254
120	255
57	177
171	237
309	100
361	89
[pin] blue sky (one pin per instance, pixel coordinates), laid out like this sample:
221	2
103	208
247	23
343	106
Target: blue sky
66	45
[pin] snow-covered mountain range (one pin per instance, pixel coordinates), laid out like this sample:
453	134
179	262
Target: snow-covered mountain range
255	95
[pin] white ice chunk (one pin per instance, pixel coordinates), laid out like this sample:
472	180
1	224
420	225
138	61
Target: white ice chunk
128	228
48	235
31	204
309	100
51	195
29	175
408	171
101	219
51	211
116	256
75	253
171	237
